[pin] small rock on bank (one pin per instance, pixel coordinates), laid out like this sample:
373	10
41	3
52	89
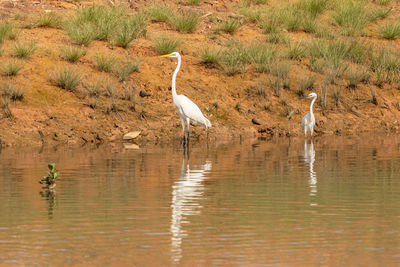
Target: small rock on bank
131	135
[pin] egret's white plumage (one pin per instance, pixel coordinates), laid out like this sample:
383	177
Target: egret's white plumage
308	121
188	111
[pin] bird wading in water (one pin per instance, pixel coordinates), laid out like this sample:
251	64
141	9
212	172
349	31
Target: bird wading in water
188	111
308	121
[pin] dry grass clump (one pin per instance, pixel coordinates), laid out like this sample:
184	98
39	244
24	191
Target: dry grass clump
354	76
165	44
127	68
351	15
24	50
66	78
230	25
210	55
184	21
105	62
261	56
7	30
306	83
159	12
12	68
385	63
12	92
49	19
108	23
130	29
72	53
390	31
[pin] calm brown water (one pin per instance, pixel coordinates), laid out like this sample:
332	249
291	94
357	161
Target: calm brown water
335	202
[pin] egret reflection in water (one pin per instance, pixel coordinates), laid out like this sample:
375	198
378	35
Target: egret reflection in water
187	192
309	157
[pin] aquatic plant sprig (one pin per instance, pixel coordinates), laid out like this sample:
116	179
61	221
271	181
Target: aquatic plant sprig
50	179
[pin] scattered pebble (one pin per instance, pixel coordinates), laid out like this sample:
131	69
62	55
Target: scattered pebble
256	121
143	93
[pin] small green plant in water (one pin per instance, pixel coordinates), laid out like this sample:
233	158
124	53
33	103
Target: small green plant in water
50	180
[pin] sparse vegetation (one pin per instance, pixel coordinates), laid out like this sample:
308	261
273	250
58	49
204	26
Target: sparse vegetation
104	62
230	25
306	83
105	23
194	2
390	30
159	12
66	78
165	44
356	76
351	15
72	53
130	29
11	92
127	68
24	50
49	19
12	68
232	62
185	21
210	55
7	30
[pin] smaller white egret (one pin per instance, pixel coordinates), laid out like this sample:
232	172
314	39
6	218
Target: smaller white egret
308	121
188	111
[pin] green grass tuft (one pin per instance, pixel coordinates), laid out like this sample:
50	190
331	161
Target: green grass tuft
159	13
230	25
72	54
105	63
67	78
12	68
24	50
50	19
166	44
210	55
390	31
185	21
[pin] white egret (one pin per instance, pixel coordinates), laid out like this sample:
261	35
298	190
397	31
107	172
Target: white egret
188	111
308	121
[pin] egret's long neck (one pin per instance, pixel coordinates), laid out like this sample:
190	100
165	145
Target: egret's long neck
174	78
312	103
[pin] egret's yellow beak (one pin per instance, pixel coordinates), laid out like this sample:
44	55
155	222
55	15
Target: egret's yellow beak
166	55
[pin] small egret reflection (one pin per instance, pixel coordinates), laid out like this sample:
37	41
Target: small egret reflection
309	158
